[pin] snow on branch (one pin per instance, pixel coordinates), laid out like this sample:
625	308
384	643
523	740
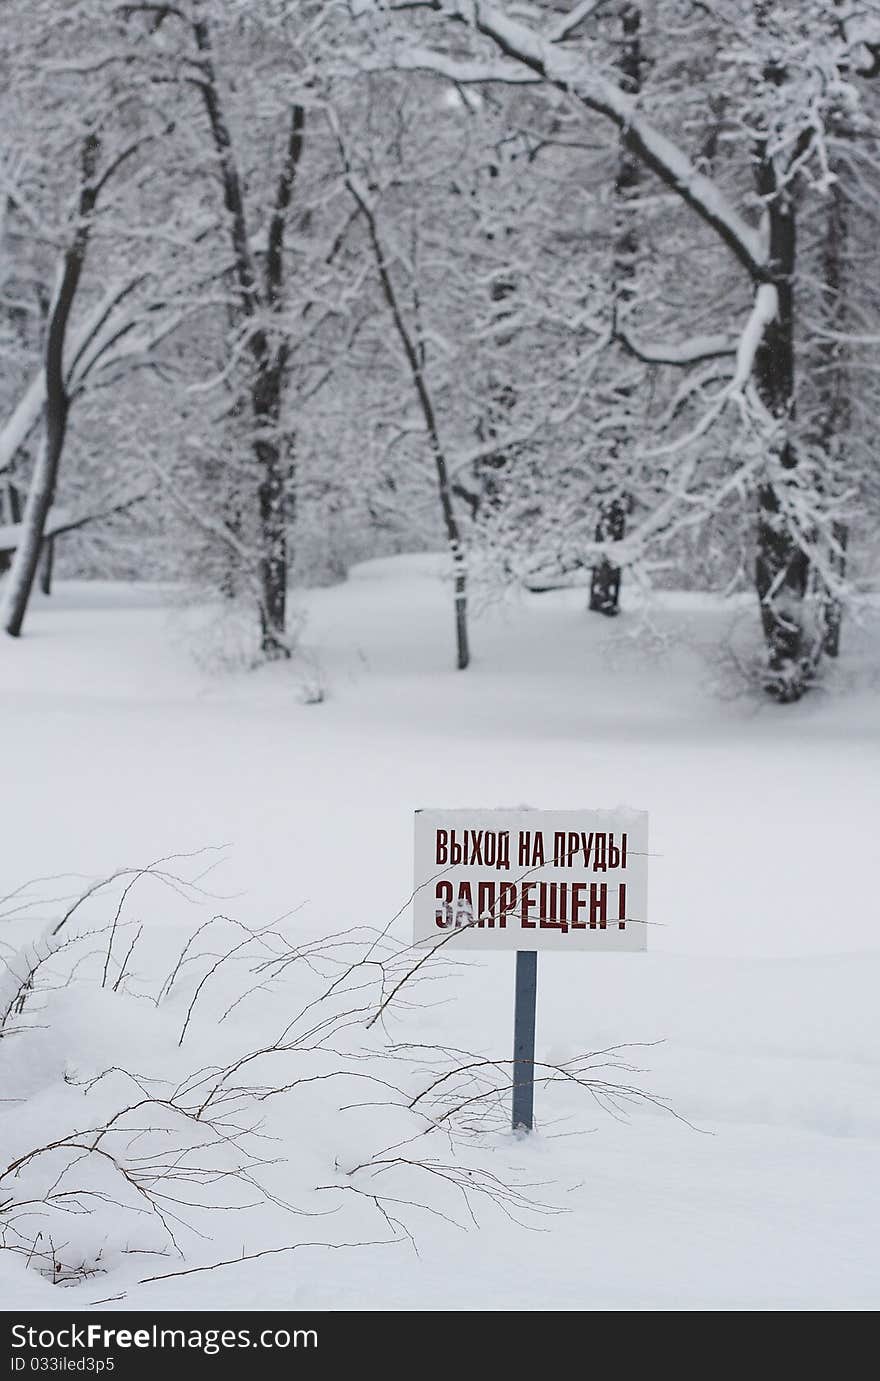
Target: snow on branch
460	71
572	72
694	351
764	310
22	420
572	21
90	340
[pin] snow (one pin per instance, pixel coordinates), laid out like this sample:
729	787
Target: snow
693	351
756	1001
764	310
570	22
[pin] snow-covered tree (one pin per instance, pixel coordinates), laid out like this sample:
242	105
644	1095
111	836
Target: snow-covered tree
788	76
78	154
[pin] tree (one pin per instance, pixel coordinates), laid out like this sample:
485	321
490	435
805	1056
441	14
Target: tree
256	298
42	489
497	366
605	581
788	75
88	147
408	329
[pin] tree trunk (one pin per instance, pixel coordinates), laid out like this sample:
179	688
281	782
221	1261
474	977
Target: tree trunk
276	466
10	512
613	508
782	568
269	362
47	565
605	580
459	566
832	610
416	367
15	509
273	507
835	384
39	502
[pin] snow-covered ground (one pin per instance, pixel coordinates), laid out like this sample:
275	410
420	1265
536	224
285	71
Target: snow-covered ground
757	1000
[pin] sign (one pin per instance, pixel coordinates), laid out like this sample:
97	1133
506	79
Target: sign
529	880
558	880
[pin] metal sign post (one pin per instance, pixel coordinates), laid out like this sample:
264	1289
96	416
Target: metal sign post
524	1039
569	881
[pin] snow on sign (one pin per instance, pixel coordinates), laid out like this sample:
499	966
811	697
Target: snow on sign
532	879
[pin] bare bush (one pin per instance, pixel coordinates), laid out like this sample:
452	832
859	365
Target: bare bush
133	1163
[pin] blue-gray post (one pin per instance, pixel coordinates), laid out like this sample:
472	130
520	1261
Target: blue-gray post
524	1039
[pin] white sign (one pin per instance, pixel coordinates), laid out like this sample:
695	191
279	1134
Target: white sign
532	879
